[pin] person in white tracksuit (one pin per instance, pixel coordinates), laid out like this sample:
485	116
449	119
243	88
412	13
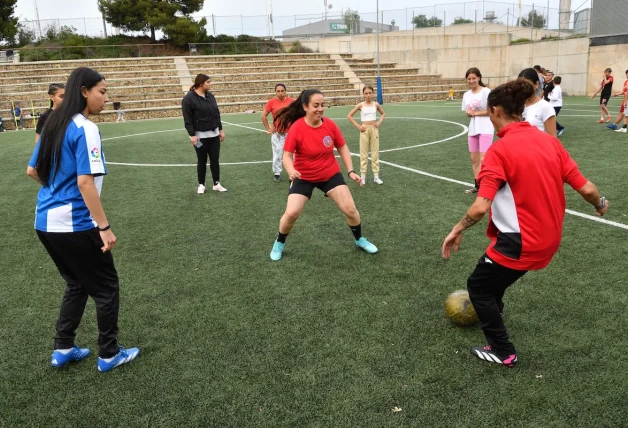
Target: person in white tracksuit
273	106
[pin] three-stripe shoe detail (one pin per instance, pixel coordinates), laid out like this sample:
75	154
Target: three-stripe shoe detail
485	353
122	357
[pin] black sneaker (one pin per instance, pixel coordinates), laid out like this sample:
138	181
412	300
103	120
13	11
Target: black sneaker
276	179
484	353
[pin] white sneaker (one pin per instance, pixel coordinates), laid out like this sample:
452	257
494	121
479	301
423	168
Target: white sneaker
622	130
363	181
201	189
218	188
377	180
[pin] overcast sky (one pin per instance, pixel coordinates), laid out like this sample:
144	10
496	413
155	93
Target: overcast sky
74	10
50	9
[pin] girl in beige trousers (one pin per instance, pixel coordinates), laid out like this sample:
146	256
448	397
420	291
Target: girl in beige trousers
369	133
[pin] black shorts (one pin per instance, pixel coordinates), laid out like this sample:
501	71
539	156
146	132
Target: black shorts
305	188
604	99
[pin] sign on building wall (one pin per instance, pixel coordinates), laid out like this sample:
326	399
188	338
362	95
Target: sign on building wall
335	26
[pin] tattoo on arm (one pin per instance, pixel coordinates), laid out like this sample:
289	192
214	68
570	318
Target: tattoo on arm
467	221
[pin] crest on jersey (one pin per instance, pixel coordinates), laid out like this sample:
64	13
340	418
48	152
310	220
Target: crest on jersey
95	153
328	141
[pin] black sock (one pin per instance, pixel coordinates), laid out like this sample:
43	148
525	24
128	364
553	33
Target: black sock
625	126
357	231
282	237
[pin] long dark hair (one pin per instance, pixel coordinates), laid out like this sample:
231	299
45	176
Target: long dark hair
295	111
476	71
531	75
53	134
52	89
511	97
199	80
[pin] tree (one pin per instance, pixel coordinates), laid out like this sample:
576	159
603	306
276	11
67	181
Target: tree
184	31
8	23
25	36
462	21
421	21
145	15
534	20
352	20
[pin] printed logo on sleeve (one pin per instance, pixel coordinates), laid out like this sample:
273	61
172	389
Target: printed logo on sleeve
95	153
328	141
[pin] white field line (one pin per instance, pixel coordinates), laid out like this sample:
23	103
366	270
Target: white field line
405	168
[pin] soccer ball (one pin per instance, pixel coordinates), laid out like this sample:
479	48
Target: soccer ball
459	308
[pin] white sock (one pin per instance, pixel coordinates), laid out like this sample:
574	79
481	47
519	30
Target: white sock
376	177
64	351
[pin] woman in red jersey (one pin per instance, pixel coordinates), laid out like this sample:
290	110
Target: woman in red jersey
310	162
526	219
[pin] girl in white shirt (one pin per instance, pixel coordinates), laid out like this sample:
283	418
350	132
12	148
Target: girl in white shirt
537	111
369	133
480	128
556	100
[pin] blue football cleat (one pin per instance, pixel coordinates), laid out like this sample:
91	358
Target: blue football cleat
612	126
366	245
277	251
122	357
59	359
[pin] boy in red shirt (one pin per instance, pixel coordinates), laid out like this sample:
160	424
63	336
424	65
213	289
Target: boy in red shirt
277	140
526	217
622	109
310	162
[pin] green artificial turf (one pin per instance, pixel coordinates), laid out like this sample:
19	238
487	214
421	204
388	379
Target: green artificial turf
329	336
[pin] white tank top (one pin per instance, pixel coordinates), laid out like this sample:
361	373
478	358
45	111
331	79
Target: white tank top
369	114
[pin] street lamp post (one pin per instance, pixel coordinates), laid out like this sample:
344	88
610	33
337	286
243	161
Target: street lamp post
380	97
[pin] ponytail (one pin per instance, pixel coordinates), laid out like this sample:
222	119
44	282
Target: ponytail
511	97
295	111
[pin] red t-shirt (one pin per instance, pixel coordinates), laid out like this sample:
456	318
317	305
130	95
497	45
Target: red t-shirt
274	105
523	173
313	149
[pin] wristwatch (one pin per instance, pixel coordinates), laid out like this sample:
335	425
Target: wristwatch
602	203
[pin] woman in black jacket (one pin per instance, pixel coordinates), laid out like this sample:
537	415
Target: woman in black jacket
202	122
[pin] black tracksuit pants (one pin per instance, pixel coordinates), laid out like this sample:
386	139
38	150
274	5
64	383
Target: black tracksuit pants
88	272
210	148
486	287
559	127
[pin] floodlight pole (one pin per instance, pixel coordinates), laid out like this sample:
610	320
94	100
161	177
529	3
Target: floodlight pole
380	97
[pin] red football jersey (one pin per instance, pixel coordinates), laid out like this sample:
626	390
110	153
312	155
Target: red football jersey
274	105
313	149
523	173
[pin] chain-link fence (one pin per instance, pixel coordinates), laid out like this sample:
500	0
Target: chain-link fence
486	16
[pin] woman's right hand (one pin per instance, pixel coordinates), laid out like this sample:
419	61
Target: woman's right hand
294	174
108	239
362	128
194	140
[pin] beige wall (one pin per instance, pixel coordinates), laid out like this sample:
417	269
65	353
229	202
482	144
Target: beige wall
566	58
600	57
452	54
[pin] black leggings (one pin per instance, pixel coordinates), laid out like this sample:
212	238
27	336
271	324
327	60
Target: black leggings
210	148
486	287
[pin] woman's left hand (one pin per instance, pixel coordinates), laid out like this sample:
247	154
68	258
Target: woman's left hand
355	177
377	124
469	112
221	134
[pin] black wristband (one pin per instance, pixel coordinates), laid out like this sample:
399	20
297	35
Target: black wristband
349	173
102	229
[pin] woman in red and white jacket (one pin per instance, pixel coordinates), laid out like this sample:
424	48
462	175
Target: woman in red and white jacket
310	162
526	218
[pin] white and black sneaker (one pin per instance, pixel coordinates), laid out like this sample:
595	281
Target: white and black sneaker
485	353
